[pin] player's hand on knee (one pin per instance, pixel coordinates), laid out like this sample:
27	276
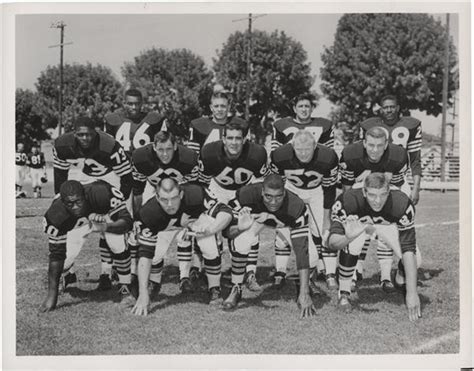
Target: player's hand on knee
98	222
305	304
141	307
413	306
245	219
353	227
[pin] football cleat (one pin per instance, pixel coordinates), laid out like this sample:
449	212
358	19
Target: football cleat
134	286
359	276
114	275
251	282
353	285
344	303
331	281
154	289
68	279
215	297
279	280
387	286
185	285
399	280
105	283
321	276
198	279
233	299
313	289
125	295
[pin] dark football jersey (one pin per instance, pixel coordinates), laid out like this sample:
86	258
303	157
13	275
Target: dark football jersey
406	132
204	131
397	210
196	200
355	162
36	161
322	170
284	129
232	174
148	167
21	158
104	156
101	198
132	135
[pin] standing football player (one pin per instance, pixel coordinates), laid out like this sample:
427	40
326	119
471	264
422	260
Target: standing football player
37	166
77	211
310	170
268	203
375	210
162	219
21	169
97	156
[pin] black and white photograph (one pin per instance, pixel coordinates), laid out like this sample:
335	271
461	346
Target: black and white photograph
250	186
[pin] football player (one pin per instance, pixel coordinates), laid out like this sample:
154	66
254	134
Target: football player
227	165
403	131
21	169
97	156
206	130
374	154
268	203
310	170
164	216
375	210
132	127
75	212
37	166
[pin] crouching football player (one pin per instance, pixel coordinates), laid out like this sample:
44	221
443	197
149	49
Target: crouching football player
375	211
173	211
80	210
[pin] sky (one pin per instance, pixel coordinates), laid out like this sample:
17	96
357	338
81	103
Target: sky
112	40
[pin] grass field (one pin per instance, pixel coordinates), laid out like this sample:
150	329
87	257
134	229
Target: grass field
89	323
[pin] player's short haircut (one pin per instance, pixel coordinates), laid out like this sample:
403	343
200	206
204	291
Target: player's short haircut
71	188
274	181
134	93
235	126
163	137
376	132
305	96
377	181
168	184
220	94
84	121
388	97
303	136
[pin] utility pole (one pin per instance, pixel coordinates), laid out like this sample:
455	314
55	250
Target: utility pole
61	26
445	103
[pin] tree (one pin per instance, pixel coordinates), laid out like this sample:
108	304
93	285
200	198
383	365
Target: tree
178	79
29	127
279	71
378	54
88	90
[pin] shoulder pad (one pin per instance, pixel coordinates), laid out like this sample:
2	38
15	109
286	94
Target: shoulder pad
106	142
187	155
352	200
409	122
200	122
153	118
211	150
326	154
239	121
249	194
353	151
396	151
193	194
295	204
282	153
141	154
65	140
114	119
400	203
322	122
283	122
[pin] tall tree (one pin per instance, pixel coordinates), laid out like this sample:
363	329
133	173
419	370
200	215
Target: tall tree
29	126
279	71
178	79
88	90
378	54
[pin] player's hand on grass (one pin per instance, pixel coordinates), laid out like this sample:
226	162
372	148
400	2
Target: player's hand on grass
245	219
142	306
305	304
353	227
413	306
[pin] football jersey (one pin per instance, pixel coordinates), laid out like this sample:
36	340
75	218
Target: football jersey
147	166
406	132
284	129
36	161
398	210
104	156
322	170
203	131
101	198
232	174
132	135
355	164
196	200
293	214
21	158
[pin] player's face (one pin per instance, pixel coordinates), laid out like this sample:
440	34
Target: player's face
20	147
375	147
169	201
219	108
233	143
303	110
85	136
273	198
34	150
133	106
304	151
390	109
165	151
376	197
75	204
